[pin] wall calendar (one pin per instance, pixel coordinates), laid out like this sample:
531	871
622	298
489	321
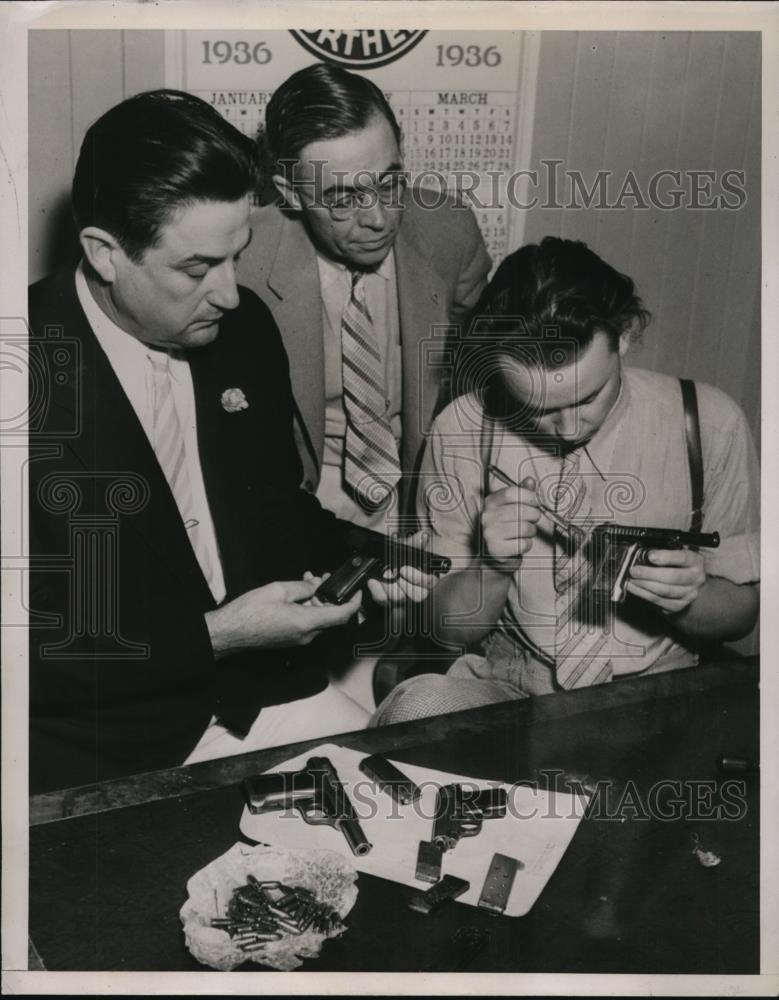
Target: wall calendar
464	100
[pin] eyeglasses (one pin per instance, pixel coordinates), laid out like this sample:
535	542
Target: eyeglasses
346	204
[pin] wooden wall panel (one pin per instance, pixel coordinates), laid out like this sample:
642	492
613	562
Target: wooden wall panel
144	61
50	150
738	353
75	76
554	95
97	77
646	102
662	124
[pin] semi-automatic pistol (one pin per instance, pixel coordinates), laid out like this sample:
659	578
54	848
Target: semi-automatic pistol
317	794
460	812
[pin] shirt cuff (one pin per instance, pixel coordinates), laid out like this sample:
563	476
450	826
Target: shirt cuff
737	559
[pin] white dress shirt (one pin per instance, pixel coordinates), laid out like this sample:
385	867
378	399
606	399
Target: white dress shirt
381	297
130	360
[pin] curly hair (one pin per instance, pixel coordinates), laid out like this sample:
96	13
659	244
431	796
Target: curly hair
541	298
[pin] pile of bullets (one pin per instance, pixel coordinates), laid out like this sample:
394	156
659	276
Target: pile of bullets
262	912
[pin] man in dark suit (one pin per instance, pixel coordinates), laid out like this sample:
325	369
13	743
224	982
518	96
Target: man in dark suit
350	228
164	481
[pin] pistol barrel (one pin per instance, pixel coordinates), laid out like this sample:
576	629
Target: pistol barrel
337	805
355	837
669	538
394	553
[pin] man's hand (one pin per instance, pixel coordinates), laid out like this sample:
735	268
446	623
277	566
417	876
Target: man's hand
508	524
672	580
405	584
274	616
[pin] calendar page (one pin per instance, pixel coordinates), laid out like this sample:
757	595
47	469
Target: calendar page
464	100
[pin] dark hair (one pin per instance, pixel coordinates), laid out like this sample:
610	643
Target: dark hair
149	156
544	303
321	102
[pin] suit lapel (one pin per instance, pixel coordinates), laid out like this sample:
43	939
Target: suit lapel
421	306
224	448
287	279
297	307
112	442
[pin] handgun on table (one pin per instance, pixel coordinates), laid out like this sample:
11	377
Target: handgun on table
371	554
460	812
615	548
317	794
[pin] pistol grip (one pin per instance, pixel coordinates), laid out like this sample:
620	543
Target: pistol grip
627	556
348	578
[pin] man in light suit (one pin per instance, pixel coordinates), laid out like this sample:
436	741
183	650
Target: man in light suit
414	262
165	507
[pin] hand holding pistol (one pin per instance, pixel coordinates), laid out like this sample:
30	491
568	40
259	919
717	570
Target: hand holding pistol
615	548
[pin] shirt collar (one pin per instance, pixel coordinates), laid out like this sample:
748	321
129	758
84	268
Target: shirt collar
118	343
331	271
122	348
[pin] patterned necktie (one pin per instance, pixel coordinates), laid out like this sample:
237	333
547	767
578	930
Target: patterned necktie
169	449
371	461
582	625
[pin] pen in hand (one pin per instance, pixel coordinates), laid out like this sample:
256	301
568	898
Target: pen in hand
571	530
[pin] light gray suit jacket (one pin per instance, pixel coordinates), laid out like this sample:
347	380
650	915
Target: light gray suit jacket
441	266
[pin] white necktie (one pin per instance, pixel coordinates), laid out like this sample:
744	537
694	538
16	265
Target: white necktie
169	448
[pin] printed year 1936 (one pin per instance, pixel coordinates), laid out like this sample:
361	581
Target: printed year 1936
238	52
468	55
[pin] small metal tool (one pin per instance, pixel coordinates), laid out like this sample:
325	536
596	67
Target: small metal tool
390	779
571	531
450	887
498	883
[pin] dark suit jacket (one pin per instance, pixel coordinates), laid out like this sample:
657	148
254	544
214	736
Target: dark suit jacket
441	265
122	676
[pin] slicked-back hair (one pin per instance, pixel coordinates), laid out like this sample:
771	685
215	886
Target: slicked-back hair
321	102
151	155
546	302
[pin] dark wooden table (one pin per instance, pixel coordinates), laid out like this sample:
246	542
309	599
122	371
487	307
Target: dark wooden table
109	863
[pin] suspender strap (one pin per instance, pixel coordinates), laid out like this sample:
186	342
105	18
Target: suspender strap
692	430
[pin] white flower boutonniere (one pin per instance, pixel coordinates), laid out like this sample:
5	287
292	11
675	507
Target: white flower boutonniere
234	400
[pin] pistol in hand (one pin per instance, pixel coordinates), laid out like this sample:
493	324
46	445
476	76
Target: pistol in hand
372	554
615	548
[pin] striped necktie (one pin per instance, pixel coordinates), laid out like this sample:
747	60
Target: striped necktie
582	627
371	460
169	448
